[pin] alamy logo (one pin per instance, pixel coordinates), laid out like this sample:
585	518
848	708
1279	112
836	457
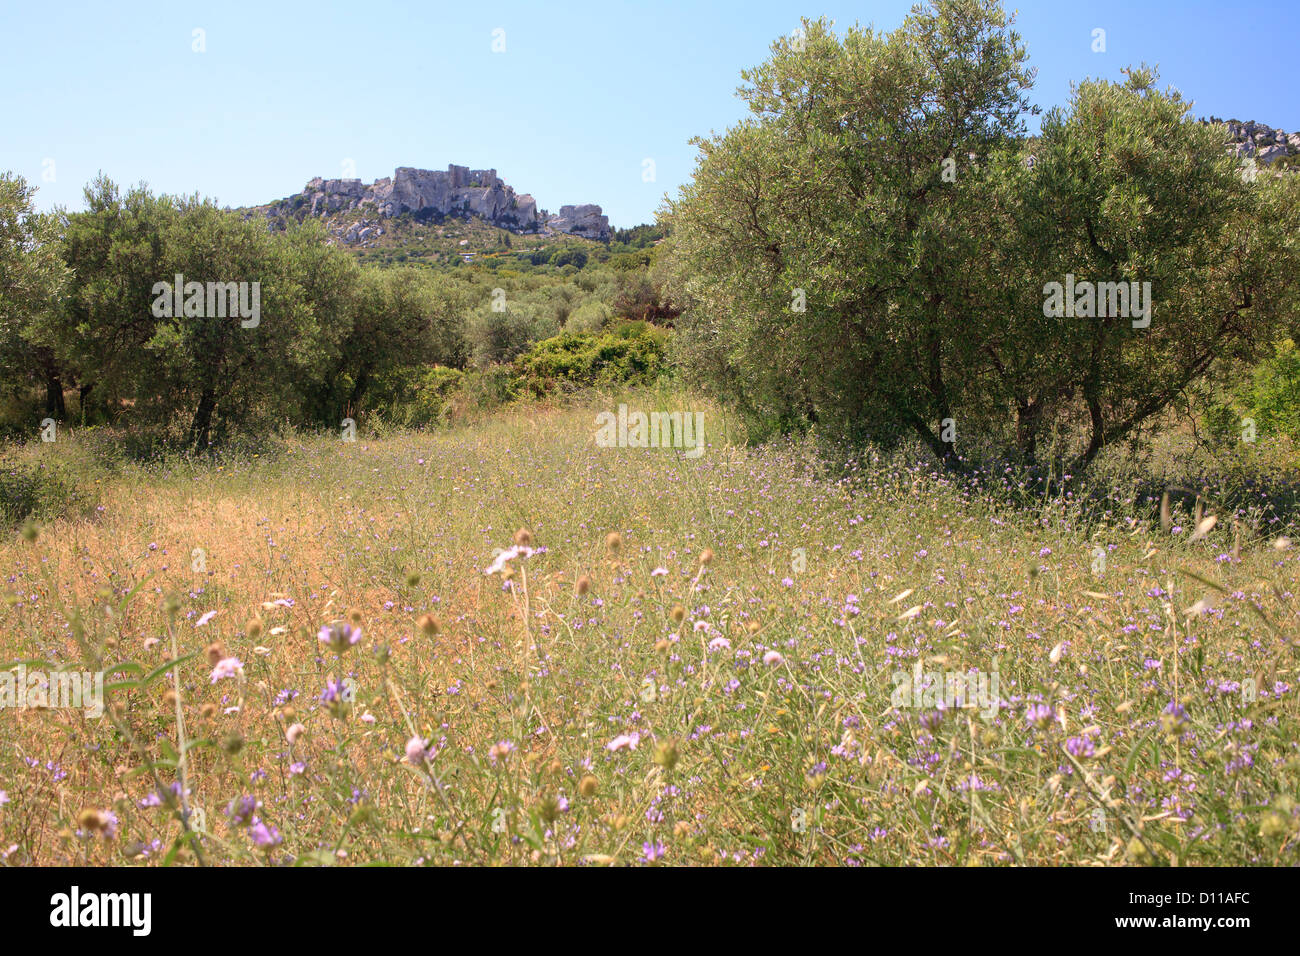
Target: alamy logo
947	689
215	300
657	430
21	689
1102	300
102	909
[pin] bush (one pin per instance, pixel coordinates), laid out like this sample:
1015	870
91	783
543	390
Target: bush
38	489
1270	398
632	354
416	397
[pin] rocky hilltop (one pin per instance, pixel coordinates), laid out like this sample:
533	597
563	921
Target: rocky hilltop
1265	144
429	194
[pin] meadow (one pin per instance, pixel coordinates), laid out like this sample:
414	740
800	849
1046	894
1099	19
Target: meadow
500	643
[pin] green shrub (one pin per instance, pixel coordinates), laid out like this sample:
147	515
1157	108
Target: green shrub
1270	398
39	489
631	354
416	397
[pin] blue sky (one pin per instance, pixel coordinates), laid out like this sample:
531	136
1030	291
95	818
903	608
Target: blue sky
582	95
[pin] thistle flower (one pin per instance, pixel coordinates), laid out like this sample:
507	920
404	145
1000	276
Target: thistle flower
1038	715
241	810
773	659
227	667
339	636
500	750
416	753
613	542
264	836
294	733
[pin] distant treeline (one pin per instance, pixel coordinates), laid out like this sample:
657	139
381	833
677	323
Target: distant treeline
168	313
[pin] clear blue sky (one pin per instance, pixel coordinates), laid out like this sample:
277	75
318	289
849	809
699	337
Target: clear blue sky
582	95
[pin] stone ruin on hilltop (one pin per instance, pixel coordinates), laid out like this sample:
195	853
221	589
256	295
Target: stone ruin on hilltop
457	191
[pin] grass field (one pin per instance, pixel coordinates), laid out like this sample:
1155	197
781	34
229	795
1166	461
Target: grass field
704	661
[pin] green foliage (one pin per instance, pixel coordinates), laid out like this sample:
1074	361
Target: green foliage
847	263
43	489
415	397
32	279
632	354
1269	398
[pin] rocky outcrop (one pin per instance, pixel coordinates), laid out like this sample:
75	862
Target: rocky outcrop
581	221
457	191
1265	144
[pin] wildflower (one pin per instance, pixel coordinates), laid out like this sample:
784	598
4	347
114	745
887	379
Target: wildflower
523	538
429	625
205	618
1080	747
613	541
659	572
416	753
339	636
500	750
241	810
652	851
706	556
588	785
1173	719
666	754
1038	715
719	643
294	733
773	659
335	692
227	667
264	836
624	742
509	554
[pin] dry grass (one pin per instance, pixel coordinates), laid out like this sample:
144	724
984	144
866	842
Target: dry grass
761	727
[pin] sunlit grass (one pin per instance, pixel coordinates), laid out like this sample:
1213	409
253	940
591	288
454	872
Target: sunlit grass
715	685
